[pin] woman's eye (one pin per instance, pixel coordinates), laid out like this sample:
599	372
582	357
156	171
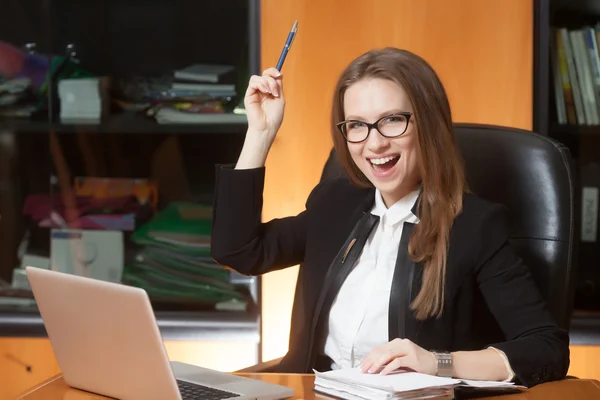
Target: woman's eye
394	120
355	125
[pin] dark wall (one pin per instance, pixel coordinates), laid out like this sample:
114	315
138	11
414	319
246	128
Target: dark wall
133	37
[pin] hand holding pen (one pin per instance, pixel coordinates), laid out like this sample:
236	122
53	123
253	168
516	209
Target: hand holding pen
264	99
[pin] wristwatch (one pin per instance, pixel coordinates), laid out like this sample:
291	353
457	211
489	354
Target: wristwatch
444	364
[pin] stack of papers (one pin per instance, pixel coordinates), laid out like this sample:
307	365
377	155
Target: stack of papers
353	384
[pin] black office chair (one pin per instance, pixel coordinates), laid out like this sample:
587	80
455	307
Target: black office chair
532	175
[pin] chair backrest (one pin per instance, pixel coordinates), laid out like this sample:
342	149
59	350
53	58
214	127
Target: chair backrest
532	175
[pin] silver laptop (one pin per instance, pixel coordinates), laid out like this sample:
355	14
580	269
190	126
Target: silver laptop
106	341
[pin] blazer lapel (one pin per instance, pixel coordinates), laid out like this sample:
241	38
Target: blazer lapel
344	262
411	323
340	268
406	284
400	294
338	272
354	224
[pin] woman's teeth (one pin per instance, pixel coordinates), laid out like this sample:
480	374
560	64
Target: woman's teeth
380	161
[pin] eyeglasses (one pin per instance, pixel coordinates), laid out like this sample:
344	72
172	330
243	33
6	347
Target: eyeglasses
389	126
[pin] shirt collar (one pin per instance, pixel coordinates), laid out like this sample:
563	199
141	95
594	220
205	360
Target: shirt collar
399	211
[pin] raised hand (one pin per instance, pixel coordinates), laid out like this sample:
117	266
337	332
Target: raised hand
264	110
265	103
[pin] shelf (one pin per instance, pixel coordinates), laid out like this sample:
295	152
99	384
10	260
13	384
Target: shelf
130	123
557	130
585	328
575	136
587	7
173	325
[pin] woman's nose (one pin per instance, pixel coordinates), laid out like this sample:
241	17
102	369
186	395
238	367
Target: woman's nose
376	142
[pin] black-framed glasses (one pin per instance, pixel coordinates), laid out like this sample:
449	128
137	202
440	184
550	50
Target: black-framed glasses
389	126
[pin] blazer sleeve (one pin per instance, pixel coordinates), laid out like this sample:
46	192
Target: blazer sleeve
537	349
239	240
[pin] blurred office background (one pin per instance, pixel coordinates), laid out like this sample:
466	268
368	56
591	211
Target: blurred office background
113	114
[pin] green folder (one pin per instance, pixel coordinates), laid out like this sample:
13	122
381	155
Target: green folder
159	282
180	226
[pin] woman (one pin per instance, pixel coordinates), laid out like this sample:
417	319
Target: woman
400	266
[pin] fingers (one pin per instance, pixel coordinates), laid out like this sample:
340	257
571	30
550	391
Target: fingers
265	85
394	365
272	72
367	362
272	84
269	83
275	81
383	355
257	84
384	359
377	359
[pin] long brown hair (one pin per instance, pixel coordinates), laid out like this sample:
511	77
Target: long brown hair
440	165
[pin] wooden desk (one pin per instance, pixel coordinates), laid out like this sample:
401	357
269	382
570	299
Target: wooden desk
571	389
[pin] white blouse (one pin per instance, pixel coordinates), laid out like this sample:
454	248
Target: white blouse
358	320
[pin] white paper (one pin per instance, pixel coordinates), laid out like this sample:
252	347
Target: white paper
352	383
488	384
395	382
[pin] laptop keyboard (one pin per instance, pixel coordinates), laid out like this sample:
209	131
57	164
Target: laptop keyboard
193	391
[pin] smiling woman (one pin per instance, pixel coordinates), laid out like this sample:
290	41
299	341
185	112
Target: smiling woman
398	261
419	155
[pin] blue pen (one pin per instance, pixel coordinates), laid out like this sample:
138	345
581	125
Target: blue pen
288	44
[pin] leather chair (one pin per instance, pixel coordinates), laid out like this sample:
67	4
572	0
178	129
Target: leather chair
532	175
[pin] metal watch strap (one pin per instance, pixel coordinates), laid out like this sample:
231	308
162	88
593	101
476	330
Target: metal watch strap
444	364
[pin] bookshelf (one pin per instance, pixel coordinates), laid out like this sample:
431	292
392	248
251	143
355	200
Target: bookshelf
567	108
231	125
130	51
134	49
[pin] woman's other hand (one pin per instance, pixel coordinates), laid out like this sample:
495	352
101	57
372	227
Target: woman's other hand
399	353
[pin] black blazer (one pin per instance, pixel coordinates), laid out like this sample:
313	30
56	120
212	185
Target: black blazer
490	296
